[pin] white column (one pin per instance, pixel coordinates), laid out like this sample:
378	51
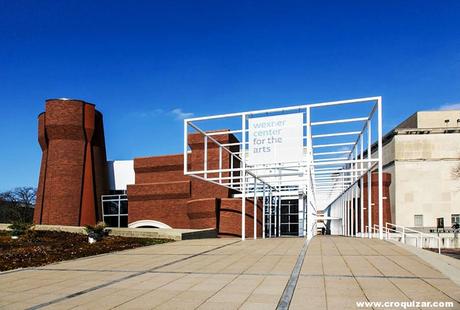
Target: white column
342	207
342	202
255	208
369	180
243	178
305	216
185	146
380	166
263	212
308	210
361	184
205	157
349	215
275	216
352	214
279	212
270	205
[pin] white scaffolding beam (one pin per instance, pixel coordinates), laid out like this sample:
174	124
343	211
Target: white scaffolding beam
330	176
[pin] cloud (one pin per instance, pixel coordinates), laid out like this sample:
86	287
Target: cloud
179	114
148	114
176	113
449	106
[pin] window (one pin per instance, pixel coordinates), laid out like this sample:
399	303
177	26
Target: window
455	219
418	220
115	210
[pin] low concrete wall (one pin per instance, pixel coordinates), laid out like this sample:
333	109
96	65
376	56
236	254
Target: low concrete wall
158	233
164	233
449	266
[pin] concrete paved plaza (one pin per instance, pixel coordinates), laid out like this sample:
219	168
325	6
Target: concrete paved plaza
335	273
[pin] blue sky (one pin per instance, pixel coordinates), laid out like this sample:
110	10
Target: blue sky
147	64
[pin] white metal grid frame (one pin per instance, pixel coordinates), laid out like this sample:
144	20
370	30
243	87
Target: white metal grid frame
330	175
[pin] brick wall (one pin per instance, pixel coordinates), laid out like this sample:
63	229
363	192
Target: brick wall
162	192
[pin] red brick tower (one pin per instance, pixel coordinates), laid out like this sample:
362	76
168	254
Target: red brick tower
73	171
375	195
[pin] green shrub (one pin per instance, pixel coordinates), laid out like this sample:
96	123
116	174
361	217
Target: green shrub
19	228
96	231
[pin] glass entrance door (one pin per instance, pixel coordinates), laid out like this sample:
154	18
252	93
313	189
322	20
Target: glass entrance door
290	217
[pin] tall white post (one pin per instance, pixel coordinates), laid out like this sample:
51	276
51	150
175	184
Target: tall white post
304	201
380	166
255	208
352	214
361	184
263	212
270	206
355	194
279	211
185	146
349	215
342	202
309	187
243	178
275	217
205	157
369	179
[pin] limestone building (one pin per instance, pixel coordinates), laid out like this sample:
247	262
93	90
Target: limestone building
422	155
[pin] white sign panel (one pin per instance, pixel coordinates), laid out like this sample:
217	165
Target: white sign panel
275	139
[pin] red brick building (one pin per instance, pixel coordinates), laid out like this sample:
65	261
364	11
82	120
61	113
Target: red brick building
74	176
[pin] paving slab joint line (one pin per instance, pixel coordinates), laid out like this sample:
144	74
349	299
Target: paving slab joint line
288	292
91	289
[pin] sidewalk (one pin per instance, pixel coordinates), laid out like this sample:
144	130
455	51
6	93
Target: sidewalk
230	274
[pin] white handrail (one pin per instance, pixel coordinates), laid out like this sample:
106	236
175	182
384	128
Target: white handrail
408	231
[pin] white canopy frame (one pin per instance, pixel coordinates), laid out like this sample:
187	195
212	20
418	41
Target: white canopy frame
329	176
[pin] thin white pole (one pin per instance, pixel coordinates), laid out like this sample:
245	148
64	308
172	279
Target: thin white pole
231	171
279	212
185	146
346	214
380	166
308	212
342	209
220	164
263	212
355	191
255	208
243	185
205	157
276	215
270	205
361	183
352	215
305	201
349	215
369	179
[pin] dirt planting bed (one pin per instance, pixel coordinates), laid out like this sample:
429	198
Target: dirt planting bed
37	248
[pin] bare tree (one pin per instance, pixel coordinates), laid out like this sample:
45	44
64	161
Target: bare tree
18	204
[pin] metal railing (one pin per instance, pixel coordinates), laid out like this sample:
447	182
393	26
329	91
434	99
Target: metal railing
404	235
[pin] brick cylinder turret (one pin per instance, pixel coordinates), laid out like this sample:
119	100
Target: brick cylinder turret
374	196
73	171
